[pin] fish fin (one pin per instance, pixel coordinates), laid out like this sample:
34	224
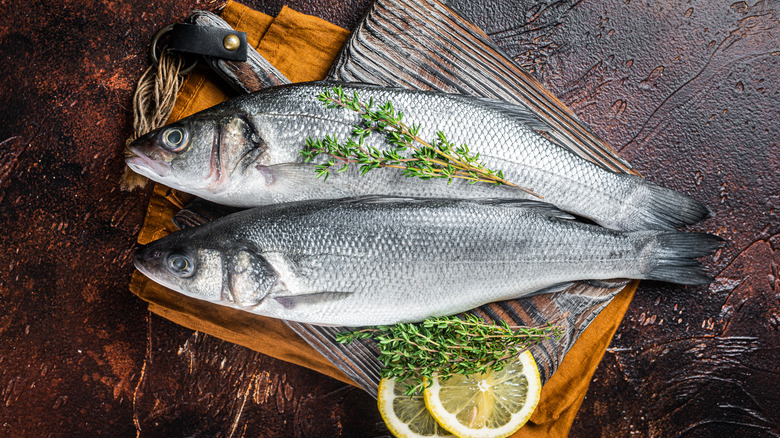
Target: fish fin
298	176
661	208
543	208
517	112
607	284
283	172
199	212
560	287
310	299
675	253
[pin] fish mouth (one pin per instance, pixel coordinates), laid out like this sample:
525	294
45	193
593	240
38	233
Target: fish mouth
143	255
140	163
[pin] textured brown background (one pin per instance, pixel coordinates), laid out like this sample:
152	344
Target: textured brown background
687	91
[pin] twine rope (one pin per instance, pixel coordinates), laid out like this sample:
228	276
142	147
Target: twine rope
153	102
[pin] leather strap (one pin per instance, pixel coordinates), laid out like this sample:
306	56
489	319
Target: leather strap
210	41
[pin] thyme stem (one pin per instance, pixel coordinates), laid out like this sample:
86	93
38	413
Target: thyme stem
435	159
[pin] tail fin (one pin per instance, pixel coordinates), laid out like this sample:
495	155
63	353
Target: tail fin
675	255
664	209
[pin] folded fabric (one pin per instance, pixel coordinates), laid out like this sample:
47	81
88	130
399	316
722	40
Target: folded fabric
303	48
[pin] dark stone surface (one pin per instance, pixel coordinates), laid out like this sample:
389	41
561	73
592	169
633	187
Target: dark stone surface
688	93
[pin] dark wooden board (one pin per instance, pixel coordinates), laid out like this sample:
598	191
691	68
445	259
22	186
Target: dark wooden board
687	92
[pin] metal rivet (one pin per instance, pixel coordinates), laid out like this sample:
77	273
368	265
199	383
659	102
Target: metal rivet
231	42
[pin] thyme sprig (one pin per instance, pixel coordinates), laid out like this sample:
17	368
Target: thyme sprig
448	346
416	157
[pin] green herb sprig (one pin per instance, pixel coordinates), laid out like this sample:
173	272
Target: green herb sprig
448	346
415	156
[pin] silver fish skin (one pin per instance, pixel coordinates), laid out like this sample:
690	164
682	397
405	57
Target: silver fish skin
384	260
246	152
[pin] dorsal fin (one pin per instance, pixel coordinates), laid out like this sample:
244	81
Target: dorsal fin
517	112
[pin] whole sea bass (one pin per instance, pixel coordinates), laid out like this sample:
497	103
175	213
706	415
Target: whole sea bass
246	152
386	260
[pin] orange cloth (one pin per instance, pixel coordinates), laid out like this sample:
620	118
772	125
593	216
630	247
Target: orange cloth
303	47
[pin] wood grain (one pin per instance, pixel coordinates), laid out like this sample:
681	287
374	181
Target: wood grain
688	92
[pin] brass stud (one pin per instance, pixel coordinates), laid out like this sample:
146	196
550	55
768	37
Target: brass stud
231	42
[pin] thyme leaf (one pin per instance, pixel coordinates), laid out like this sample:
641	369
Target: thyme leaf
447	346
407	151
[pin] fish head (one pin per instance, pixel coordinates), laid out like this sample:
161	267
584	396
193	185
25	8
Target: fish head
237	278
200	153
193	272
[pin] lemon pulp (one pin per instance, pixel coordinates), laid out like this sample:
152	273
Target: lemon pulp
406	417
493	404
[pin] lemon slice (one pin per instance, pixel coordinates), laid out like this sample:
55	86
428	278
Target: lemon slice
494	404
406	417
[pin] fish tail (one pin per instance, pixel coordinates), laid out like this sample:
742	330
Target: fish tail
675	257
660	208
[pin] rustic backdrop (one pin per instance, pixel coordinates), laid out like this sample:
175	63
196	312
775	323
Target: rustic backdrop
688	91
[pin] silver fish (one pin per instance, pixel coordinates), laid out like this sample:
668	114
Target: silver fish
387	260
246	152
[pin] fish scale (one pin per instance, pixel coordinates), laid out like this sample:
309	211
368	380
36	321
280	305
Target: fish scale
256	141
382	260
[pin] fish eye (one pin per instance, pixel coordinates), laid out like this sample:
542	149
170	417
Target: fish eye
180	265
174	139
